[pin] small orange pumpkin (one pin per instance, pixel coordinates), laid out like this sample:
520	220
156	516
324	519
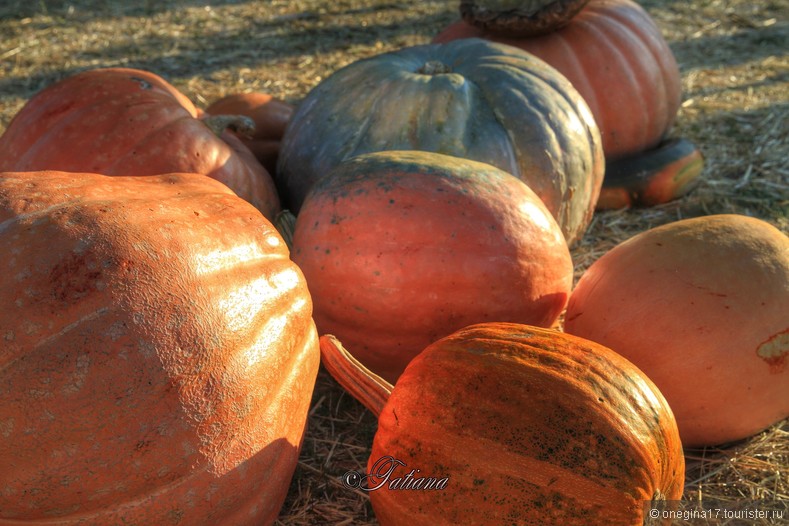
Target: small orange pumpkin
527	426
270	115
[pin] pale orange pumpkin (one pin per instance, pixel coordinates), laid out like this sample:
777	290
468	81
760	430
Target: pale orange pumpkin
158	353
700	305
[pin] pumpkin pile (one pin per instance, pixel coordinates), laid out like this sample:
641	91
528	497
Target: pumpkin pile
160	338
615	55
159	353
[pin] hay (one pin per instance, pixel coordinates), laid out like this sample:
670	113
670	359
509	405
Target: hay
736	109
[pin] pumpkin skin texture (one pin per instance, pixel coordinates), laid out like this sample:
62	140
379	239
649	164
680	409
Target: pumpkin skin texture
700	305
530	426
616	57
520	18
402	248
158	357
471	99
270	115
121	121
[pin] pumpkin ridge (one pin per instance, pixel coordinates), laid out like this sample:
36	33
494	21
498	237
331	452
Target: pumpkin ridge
594	104
614	54
582	365
353	146
614	28
579	380
539	79
665	61
260	415
642	29
536	83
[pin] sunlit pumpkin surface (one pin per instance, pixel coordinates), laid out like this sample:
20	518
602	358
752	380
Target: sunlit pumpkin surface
158	353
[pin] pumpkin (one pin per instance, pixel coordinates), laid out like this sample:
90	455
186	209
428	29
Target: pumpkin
270	115
616	57
700	305
670	170
520	425
471	99
520	17
402	248
120	121
158	353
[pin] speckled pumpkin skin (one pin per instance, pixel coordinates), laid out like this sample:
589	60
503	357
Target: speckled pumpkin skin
401	248
531	427
702	306
123	121
158	353
471	99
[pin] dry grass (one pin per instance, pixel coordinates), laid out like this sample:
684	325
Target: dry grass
736	108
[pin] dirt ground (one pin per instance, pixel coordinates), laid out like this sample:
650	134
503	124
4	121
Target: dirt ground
735	74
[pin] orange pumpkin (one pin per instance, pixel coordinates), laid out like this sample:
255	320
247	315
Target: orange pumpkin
616	57
158	354
700	305
119	121
526	426
270	116
402	248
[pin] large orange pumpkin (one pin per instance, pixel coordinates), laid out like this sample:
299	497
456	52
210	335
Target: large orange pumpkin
402	248
120	121
471	99
616	57
510	424
701	306
158	354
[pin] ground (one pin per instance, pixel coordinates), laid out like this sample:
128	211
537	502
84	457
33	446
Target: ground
735	74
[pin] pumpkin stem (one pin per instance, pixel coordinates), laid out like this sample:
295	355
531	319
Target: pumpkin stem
238	124
434	67
364	385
